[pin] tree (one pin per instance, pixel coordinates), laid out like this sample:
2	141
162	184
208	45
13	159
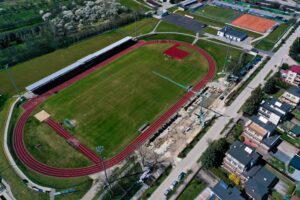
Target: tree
252	103
295	50
214	154
270	86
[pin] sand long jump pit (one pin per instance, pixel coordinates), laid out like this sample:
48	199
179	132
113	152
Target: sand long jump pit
254	23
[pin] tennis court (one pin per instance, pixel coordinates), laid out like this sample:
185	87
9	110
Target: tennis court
254	23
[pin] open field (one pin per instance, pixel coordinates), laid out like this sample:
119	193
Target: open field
111	104
37	68
134	5
39	145
218	13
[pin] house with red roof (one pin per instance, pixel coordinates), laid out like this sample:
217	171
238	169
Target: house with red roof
292	75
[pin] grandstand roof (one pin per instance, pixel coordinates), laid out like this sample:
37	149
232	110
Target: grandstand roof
69	68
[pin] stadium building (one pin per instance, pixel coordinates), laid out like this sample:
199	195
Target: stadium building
232	34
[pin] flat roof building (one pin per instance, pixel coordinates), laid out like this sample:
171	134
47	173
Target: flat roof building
232	34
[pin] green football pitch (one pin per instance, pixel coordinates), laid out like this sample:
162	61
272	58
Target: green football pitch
112	103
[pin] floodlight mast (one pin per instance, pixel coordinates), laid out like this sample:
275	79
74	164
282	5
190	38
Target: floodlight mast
12	80
100	150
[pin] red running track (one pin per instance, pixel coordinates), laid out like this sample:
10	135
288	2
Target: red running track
92	156
29	106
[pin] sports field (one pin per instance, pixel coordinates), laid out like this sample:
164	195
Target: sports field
218	13
111	104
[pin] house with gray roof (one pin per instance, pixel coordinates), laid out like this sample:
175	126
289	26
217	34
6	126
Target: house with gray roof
274	110
221	191
239	159
260	133
260	182
232	34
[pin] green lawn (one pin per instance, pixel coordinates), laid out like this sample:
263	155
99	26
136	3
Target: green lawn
111	104
19	189
134	5
268	42
202	19
219	52
218	13
291	140
39	145
184	38
37	68
278	164
192	190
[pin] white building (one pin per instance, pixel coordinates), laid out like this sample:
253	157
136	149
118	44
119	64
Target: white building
291	96
232	34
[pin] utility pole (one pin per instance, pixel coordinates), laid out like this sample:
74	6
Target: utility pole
12	80
226	58
100	150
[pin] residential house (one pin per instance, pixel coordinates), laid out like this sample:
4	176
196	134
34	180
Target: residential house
232	34
260	133
240	158
291	96
221	191
292	75
274	111
260	182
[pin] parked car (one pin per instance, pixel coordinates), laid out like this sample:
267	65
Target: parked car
173	185
181	176
167	192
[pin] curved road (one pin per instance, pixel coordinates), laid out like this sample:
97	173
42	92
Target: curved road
37	166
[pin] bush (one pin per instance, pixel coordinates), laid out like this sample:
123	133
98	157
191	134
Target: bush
295	50
270	86
214	154
252	103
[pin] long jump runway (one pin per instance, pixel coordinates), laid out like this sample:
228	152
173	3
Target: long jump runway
29	106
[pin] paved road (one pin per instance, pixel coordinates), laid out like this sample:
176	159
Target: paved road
214	132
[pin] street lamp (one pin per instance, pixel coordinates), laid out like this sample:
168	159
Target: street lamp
100	150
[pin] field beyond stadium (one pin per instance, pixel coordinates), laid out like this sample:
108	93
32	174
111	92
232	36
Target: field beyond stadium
31	105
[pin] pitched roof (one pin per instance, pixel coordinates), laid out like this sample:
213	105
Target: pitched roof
265	125
294	91
271	140
259	183
255	189
233	32
295	68
276	107
243	153
224	192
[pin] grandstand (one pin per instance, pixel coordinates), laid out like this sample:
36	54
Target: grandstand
79	66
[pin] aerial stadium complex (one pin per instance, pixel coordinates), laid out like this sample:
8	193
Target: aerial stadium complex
117	97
